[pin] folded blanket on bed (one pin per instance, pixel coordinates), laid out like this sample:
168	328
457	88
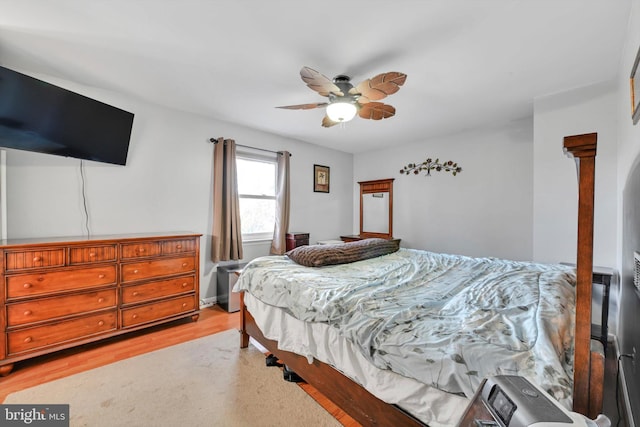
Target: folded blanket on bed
321	255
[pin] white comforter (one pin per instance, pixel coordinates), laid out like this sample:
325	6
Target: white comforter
445	320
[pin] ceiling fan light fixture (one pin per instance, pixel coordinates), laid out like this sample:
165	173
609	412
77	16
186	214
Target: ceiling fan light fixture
347	100
341	111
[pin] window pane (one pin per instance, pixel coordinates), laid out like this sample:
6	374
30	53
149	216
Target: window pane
256	177
257	216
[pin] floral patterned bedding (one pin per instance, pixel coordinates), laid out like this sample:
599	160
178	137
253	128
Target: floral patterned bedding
445	320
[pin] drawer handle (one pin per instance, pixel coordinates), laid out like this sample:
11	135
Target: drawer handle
101	276
141	250
135	293
135	271
92	255
28	339
101	323
185	284
178	246
184	304
100	299
27	312
36	258
27	285
184	264
135	316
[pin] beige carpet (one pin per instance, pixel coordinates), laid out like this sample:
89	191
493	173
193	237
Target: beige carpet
204	382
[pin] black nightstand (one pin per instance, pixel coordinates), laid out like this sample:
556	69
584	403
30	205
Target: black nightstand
227	276
602	276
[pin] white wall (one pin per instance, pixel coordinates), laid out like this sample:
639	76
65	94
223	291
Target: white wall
517	195
628	133
166	184
484	211
628	334
584	110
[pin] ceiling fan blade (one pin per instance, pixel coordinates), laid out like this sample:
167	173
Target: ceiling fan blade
381	86
327	122
318	82
305	106
376	111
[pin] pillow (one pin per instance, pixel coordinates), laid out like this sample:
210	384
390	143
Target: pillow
320	255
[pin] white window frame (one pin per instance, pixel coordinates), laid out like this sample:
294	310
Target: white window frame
265	236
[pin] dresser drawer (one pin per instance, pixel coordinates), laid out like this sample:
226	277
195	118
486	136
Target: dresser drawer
22	285
61	332
36	258
157	268
157	289
171	247
51	308
139	250
157	311
89	254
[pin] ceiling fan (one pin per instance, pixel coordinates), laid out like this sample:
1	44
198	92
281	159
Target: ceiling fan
346	100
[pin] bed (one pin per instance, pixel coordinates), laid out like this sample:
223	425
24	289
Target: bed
404	337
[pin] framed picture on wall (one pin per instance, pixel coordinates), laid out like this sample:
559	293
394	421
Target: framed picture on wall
320	179
635	90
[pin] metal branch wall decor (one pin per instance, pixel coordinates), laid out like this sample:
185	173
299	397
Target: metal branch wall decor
431	165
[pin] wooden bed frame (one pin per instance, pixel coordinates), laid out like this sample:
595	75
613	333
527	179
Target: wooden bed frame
588	388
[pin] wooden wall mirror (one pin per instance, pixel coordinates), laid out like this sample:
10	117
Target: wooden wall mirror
376	208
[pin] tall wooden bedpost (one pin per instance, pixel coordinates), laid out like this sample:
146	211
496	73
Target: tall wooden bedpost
583	149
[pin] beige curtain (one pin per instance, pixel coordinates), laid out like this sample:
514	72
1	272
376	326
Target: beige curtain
226	243
279	243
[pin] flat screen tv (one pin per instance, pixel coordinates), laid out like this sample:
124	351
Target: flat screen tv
39	116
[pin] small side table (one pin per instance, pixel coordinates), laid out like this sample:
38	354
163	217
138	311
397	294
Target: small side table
226	278
295	239
601	276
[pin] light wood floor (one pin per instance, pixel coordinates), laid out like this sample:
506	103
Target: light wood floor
46	368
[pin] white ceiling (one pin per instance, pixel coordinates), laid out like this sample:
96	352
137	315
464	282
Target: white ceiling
468	62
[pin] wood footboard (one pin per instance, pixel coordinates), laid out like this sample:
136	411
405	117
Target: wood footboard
351	397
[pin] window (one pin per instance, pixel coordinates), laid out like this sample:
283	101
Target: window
257	193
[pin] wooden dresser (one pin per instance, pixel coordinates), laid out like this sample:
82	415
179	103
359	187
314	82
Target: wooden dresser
63	292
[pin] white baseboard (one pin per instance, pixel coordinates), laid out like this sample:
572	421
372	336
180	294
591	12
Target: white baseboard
208	302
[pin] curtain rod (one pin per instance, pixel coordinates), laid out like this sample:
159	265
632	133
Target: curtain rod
215	141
